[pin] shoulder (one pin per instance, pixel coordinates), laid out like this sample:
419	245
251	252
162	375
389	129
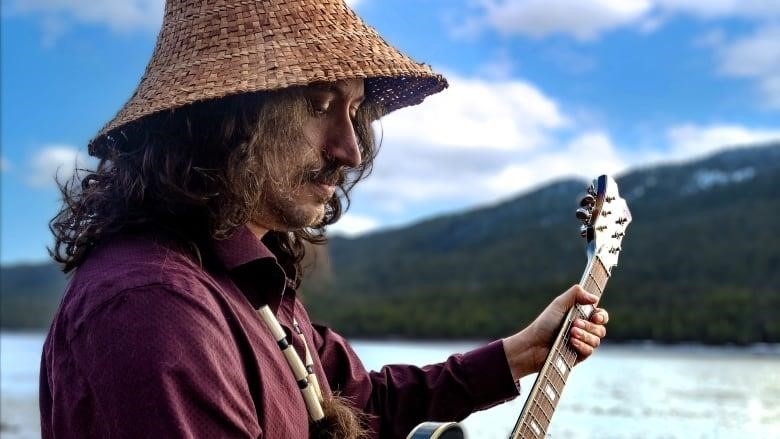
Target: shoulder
140	266
131	261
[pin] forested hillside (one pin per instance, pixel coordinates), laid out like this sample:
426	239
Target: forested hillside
700	262
29	294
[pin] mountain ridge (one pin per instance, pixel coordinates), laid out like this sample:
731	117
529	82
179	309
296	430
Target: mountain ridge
701	253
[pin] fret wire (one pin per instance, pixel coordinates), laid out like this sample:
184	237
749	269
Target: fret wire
562	356
601	273
541	410
558	372
550	375
549	402
529	429
545	418
556	381
570	356
537	409
592	284
549	405
538	423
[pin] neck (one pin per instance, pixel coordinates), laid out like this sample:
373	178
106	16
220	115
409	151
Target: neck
257	230
545	393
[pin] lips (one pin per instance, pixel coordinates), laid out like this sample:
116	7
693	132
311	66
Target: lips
323	191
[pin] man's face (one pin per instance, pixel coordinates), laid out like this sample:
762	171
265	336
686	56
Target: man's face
297	200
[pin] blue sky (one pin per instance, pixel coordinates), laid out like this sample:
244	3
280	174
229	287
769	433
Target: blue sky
539	90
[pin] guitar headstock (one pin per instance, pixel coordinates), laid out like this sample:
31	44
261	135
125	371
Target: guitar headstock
605	217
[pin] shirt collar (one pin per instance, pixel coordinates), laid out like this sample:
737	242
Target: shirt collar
241	248
253	268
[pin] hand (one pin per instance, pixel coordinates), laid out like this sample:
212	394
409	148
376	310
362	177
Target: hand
527	350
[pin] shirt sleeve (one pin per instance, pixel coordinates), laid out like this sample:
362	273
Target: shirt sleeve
398	397
160	363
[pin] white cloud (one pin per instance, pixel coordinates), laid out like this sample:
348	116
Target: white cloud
420	173
447	148
582	19
502	114
477	142
352	224
690	141
756	57
587	20
120	16
52	161
711	9
587	155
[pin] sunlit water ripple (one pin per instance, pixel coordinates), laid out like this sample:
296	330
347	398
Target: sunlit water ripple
635	391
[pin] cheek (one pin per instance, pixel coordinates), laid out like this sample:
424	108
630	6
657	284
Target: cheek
314	132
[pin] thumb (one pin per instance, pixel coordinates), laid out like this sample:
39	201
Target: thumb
577	295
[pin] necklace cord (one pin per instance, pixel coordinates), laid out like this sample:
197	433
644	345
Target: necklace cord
304	375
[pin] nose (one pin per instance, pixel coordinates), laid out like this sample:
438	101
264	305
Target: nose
342	146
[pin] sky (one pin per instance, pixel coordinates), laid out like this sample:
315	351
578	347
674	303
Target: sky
539	90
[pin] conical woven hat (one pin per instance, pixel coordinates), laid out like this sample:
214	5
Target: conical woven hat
213	48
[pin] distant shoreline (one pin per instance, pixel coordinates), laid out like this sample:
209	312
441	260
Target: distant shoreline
769	349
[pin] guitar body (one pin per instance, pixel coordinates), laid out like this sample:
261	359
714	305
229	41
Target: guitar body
605	216
437	430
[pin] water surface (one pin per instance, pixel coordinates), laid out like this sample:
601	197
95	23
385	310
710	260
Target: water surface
620	392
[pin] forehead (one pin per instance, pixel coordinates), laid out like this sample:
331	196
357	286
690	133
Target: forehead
348	88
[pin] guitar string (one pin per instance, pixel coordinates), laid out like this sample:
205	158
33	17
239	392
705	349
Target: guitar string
596	280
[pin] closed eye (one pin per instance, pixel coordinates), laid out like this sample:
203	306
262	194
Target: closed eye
319	107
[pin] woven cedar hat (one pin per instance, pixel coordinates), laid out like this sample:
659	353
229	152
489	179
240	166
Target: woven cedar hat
209	49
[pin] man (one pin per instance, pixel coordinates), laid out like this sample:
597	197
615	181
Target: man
247	131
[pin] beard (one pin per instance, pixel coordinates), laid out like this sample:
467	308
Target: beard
300	201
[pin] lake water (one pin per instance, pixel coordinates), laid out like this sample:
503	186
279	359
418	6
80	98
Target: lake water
620	392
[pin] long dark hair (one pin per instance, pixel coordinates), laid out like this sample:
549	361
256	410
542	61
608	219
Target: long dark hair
197	173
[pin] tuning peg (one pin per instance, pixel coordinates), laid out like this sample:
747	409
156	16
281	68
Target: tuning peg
584	231
588	201
592	190
583	214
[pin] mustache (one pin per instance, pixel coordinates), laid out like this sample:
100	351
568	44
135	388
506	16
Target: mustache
330	174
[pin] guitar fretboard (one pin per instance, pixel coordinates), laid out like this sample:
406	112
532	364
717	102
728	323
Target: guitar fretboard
546	391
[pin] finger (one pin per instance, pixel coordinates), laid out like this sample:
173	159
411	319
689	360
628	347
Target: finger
600	316
598	330
583	297
586	337
576	295
583	349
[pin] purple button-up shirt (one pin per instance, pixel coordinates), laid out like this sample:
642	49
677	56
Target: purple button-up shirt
150	342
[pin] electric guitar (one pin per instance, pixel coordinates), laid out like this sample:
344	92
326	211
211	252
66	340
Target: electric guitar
605	217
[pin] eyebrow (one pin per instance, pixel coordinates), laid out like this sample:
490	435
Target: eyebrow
332	87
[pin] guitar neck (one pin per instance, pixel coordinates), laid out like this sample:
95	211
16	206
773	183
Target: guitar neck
546	391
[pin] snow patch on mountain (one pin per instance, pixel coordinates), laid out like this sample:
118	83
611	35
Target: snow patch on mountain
705	179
